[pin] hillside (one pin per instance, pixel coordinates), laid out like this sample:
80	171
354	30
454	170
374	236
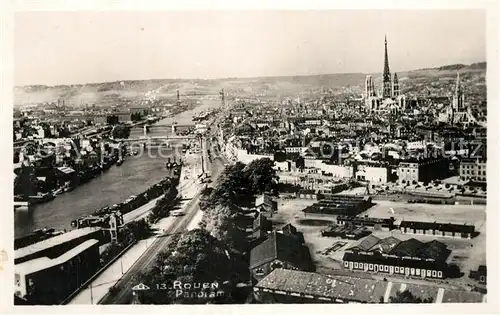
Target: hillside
134	92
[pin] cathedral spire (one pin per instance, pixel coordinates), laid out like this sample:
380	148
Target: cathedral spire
387	86
458	98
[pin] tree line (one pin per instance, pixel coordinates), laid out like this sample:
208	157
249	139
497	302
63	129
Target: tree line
218	251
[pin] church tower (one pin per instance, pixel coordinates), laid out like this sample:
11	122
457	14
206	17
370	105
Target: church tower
395	86
387	86
369	88
458	97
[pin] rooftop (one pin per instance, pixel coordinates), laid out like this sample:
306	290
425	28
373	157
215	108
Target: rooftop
366	243
386	245
283	247
318	285
408	248
53	241
42	263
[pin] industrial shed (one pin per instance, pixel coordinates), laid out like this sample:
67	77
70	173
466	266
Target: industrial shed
438	229
293	286
340	205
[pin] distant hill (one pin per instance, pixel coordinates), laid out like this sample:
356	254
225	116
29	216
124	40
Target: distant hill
133	91
477	65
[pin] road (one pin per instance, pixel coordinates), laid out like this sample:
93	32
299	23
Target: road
123	293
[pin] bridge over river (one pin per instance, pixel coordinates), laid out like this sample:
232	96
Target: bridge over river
135	175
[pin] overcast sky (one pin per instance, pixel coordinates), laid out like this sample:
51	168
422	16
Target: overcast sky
81	47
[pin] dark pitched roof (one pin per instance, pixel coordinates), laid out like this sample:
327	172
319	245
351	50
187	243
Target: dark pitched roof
289	229
366	243
283	247
408	248
386	245
434	250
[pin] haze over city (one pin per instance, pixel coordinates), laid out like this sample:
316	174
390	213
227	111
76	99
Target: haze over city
81	47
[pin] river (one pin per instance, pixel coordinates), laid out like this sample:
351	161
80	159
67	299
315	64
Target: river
135	175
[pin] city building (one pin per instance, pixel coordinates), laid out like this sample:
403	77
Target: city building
378	224
47	280
340	205
294	286
457	113
57	245
261	226
473	170
266	203
278	251
390	255
423	170
392	264
437	229
479	275
374	174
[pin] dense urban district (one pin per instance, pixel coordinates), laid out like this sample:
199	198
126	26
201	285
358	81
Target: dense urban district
344	188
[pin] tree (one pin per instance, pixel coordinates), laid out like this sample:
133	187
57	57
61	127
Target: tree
25	183
231	186
197	257
120	132
220	223
261	175
408	297
139	229
163	206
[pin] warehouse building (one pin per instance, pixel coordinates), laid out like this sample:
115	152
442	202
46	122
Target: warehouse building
46	281
58	245
339	205
378	224
392	264
399	257
293	286
438	229
279	250
347	231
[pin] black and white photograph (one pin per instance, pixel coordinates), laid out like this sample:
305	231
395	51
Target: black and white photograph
202	157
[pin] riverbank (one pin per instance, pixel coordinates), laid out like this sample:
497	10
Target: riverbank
112	187
188	188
